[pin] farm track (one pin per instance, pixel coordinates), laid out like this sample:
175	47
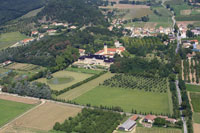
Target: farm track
3	128
78	91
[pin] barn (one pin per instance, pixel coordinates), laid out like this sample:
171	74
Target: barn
128	125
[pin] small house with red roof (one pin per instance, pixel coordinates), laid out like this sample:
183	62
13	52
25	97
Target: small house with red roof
150	118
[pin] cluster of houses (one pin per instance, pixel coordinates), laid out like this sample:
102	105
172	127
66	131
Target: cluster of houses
147	121
183	30
36	35
142	32
104	57
192	43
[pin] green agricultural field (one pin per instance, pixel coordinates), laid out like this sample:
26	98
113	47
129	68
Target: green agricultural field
137	13
163	20
64	79
9	110
157	130
195	100
80	90
193	88
127	99
196	117
8	39
83	70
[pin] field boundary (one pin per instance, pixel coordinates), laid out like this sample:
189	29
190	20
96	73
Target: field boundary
4	126
56	92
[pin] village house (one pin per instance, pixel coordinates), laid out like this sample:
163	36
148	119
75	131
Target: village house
26	41
34	33
150	118
128	125
6	63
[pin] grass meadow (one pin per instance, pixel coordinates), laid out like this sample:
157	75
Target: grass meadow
193	88
196	117
8	39
9	110
83	70
127	99
195	100
80	90
64	79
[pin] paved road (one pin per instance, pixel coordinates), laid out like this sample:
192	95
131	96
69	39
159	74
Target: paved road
180	102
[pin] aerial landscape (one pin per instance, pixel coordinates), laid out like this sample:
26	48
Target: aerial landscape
99	66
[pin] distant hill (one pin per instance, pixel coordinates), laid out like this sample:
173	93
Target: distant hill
79	12
11	9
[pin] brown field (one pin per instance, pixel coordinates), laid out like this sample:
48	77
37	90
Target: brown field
18	99
126	6
42	118
196	128
186	12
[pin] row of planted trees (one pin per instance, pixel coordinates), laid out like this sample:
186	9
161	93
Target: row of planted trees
191	70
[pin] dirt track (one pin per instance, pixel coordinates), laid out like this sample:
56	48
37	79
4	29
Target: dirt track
41	118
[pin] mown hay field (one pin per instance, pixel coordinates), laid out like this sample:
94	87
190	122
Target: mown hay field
10	109
8	39
64	79
42	118
127	99
196	117
193	88
157	130
78	91
195	100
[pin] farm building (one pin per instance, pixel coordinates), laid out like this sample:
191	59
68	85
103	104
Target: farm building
149	118
128	125
6	63
134	117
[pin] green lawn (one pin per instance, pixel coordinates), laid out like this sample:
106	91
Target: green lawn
9	110
196	117
80	90
157	130
83	70
193	88
195	100
8	39
127	99
64	79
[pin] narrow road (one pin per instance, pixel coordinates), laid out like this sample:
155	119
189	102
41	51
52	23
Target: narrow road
180	102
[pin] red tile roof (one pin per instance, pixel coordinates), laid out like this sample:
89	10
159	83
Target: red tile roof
150	117
134	117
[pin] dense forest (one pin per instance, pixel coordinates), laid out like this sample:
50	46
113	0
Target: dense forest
43	52
78	12
12	9
91	121
141	66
